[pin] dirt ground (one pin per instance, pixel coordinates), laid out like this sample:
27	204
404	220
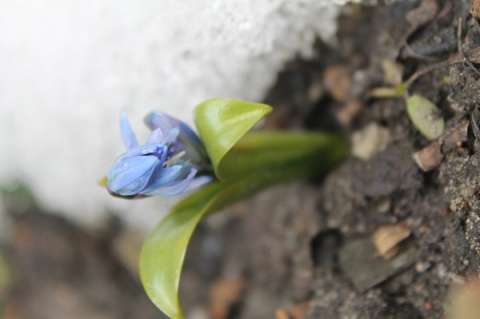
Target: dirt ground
304	250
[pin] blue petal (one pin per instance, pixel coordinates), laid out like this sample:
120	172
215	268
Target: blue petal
159	150
166	176
158	120
187	140
155	137
177	188
171	136
197	183
133	175
128	137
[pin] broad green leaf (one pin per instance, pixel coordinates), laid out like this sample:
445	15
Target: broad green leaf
265	151
222	122
164	250
426	116
257	156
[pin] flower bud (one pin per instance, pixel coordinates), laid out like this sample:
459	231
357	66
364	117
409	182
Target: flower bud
167	164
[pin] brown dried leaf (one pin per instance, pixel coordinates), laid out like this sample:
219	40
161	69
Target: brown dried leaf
296	312
224	293
475	11
281	314
348	112
337	78
387	238
463	300
422	15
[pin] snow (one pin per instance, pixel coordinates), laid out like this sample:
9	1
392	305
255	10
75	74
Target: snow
68	67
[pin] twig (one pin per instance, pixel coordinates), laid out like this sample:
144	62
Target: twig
425	70
462	59
460	48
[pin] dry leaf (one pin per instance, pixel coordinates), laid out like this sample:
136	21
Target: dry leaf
462	301
296	312
224	293
387	238
476	10
338	81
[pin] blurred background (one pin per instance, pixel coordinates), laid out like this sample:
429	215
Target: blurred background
69	250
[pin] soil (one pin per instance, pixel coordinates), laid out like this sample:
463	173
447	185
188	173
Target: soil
287	253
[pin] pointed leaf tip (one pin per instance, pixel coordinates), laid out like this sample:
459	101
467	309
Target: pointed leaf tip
222	122
245	165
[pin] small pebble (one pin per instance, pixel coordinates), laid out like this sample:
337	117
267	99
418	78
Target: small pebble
453	207
369	141
384	206
442	271
422	266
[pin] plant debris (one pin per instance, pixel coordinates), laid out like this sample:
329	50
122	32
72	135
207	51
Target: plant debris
360	261
387	238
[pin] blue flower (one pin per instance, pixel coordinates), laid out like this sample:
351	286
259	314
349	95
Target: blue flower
167	164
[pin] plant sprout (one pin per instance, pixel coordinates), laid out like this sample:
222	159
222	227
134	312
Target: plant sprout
230	163
167	164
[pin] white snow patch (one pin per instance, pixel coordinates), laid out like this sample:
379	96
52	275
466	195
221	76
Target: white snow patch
68	67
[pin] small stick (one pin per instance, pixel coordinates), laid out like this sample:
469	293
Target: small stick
460	48
462	59
425	70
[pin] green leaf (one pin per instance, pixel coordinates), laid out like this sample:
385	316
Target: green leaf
245	164
314	153
164	249
222	122
426	116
